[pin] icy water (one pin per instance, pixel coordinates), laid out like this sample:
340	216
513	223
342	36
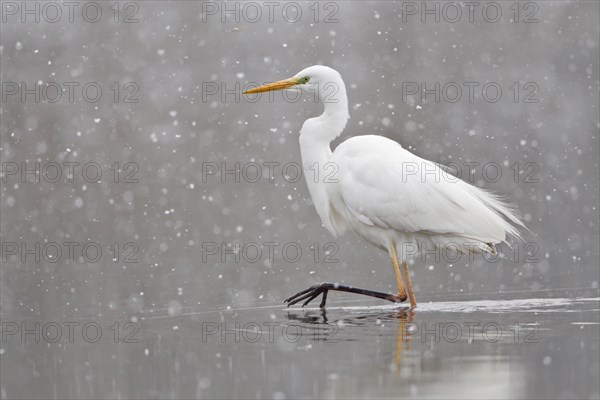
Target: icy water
522	348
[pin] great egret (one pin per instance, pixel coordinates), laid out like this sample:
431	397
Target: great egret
387	195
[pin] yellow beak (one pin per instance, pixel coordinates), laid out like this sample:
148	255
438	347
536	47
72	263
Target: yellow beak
279	85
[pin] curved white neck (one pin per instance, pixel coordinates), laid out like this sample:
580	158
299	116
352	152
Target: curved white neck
322	130
315	138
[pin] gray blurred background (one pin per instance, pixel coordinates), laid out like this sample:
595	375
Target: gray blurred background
166	216
171	214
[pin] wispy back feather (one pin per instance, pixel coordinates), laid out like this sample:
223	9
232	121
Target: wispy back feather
510	218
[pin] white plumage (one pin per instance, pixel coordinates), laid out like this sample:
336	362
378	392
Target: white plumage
408	194
392	198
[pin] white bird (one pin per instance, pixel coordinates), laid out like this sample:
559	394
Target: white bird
391	198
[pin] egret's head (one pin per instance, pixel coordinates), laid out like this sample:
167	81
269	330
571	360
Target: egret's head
324	81
316	77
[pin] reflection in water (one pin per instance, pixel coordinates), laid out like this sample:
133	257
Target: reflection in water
318	319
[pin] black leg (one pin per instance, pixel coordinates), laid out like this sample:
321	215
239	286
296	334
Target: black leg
312	292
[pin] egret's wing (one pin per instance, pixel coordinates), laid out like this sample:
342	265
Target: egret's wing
384	185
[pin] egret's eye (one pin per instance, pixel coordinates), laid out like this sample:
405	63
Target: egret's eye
305	79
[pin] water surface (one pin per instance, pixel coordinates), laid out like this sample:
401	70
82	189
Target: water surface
521	348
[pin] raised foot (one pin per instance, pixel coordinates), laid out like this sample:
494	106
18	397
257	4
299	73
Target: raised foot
312	292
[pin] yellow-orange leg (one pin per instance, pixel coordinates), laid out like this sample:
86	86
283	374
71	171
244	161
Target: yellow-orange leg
401	289
411	293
